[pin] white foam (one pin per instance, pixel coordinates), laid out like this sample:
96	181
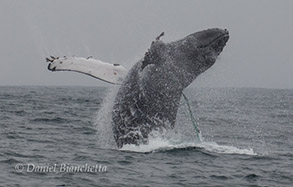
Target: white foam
225	149
158	144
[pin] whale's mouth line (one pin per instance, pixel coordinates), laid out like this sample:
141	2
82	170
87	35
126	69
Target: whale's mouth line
226	35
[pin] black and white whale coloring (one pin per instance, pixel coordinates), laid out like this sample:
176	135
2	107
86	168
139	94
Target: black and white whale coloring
149	94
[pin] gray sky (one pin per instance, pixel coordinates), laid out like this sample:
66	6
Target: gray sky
258	54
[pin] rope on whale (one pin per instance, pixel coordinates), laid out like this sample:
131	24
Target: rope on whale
193	121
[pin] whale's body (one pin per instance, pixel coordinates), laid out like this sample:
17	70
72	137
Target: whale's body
149	96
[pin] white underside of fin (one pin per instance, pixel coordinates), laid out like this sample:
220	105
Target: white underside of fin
111	73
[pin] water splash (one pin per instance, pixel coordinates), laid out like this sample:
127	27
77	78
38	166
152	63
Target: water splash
182	136
105	138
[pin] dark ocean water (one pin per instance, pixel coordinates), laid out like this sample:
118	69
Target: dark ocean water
46	132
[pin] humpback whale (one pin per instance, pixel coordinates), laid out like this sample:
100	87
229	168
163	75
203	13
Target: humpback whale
150	92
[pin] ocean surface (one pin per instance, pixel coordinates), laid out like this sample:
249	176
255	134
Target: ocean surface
61	136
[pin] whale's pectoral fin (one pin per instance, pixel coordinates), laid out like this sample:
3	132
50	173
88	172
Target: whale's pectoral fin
111	73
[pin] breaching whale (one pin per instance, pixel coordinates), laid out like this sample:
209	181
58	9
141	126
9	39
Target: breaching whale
150	92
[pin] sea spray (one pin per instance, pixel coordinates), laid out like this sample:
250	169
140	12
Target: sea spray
103	120
182	136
